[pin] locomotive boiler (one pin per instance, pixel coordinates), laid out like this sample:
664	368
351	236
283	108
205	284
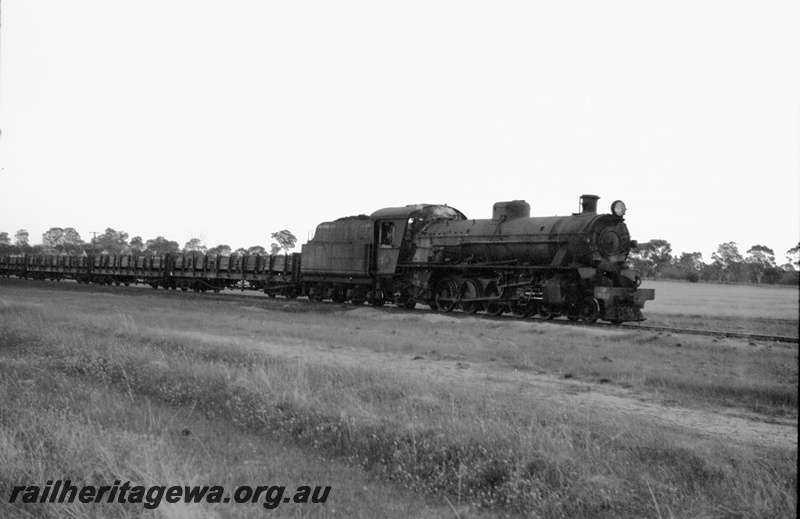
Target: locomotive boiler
569	265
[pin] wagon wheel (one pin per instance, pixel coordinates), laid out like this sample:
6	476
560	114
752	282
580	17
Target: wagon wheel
588	310
358	297
375	298
469	289
316	293
338	295
446	291
493	308
546	312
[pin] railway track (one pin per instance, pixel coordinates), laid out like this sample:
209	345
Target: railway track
634	326
717	333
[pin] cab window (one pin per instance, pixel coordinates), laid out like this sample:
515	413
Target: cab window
387	230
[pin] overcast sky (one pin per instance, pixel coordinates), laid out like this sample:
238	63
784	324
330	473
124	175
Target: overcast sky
227	121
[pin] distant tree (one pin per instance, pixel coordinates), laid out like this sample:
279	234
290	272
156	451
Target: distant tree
241	251
61	240
257	249
5	244
220	250
285	239
793	255
691	261
161	245
195	245
21	238
711	272
729	261
111	242
652	258
52	238
137	245
274	249
759	260
761	254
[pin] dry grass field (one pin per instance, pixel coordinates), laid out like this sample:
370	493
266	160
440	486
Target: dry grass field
404	414
769	310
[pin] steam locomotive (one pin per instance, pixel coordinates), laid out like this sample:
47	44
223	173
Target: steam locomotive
572	266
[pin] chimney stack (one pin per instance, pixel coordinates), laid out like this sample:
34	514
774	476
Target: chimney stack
589	203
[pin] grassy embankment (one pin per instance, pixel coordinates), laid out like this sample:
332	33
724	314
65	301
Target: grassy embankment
98	387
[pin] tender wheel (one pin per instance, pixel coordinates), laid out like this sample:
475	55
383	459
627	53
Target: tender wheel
446	292
588	310
493	308
469	289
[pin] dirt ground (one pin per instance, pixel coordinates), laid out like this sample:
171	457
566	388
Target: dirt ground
735	425
701	420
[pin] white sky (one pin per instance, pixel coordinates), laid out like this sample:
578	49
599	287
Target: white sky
227	121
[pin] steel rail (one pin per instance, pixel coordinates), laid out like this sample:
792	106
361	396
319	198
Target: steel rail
716	333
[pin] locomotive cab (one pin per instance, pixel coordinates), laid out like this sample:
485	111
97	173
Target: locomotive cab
396	230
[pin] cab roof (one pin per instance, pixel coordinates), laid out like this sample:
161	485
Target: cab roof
408	211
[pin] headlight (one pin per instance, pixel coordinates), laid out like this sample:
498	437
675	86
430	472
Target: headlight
618	208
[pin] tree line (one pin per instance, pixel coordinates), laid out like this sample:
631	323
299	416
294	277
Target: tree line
654	259
59	240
